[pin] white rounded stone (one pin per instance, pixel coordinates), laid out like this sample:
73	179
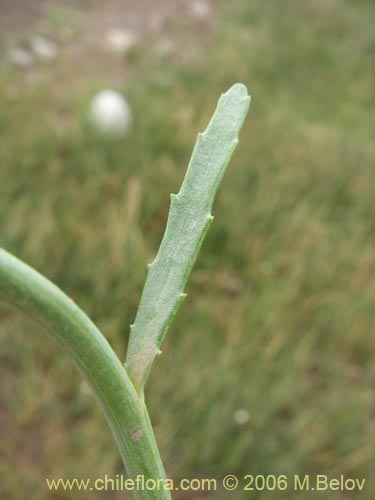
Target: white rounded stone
110	113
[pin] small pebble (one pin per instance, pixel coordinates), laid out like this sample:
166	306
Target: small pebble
121	41
19	57
241	416
200	10
44	49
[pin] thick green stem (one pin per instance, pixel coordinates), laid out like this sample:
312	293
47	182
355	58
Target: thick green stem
124	409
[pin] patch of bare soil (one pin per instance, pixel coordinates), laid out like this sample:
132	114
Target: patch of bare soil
18	17
82	30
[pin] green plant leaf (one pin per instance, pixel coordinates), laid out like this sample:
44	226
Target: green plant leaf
188	221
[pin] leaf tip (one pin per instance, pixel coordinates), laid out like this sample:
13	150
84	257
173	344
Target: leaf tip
238	89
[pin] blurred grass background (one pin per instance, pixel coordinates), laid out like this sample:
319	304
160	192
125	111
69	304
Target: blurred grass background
279	312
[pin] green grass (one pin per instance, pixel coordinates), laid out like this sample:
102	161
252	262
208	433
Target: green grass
278	315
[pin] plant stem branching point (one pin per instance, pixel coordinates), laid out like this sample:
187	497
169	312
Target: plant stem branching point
119	390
